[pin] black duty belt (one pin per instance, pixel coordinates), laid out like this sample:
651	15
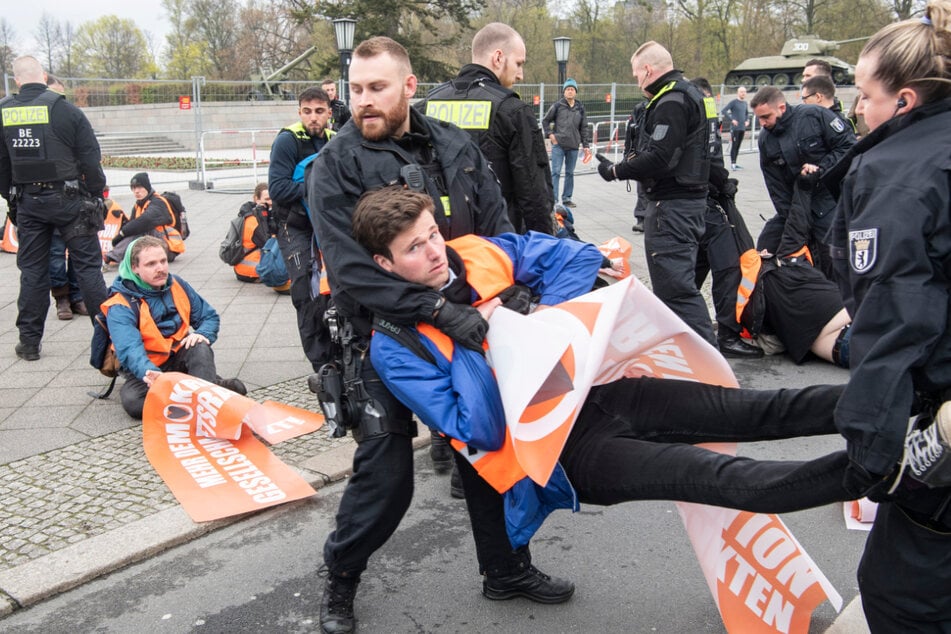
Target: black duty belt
43	186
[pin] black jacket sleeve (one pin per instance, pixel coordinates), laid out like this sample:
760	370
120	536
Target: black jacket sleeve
669	122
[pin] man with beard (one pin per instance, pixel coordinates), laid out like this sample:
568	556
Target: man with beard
339	112
292	146
390	143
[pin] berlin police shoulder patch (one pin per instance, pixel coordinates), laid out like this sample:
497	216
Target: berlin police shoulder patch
863	249
837	124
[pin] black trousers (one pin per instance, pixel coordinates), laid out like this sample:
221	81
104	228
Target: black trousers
720	255
905	574
633	440
672	233
40	212
379	492
198	361
736	139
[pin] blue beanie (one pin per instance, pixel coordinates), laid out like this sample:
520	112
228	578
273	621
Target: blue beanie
571	83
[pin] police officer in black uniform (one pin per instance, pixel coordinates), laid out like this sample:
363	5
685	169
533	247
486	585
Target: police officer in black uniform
796	145
339	111
673	163
502	124
392	143
51	178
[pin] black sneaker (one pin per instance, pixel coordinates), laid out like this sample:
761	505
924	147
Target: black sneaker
441	452
927	454
531	584
455	484
731	345
568	203
336	605
28	351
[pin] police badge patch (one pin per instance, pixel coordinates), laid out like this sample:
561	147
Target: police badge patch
863	249
837	124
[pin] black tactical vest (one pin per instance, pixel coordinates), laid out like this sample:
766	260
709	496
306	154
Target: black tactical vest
37	155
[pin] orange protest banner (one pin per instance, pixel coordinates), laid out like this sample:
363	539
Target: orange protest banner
191	432
10	244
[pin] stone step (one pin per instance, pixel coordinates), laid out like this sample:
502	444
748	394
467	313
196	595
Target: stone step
125	145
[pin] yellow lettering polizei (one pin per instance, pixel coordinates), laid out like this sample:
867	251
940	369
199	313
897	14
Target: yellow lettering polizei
468	115
25	115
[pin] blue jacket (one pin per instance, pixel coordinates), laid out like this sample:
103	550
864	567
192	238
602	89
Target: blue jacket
124	326
460	397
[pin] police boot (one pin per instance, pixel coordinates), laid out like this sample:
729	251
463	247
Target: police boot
336	605
455	484
63	310
528	582
731	345
440	451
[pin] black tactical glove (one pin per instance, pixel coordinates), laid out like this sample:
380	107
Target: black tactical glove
606	170
463	323
729	187
118	238
517	297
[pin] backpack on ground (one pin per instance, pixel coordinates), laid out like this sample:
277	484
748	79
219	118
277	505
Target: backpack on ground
102	353
178	211
231	250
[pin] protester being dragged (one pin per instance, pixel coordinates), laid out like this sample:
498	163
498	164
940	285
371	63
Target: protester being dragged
159	323
151	215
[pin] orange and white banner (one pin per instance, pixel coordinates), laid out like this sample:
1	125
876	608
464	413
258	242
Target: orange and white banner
761	578
192	434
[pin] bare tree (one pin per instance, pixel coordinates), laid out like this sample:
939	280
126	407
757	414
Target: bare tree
48	37
215	23
8	45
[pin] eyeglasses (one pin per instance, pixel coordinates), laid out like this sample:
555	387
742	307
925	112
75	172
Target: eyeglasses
805	97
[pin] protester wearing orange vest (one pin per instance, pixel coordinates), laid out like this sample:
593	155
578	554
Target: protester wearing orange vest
151	215
634	438
158	323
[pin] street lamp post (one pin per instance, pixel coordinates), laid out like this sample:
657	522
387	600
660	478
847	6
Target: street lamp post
343	31
562	47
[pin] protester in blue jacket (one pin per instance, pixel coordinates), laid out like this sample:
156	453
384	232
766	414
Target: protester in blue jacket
158	323
633	439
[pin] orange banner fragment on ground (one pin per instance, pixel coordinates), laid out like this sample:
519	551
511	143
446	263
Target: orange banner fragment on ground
191	431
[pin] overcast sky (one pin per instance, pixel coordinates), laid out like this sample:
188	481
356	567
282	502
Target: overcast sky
24	15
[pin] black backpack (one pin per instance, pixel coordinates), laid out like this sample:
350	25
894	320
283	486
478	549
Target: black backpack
231	251
178	210
102	354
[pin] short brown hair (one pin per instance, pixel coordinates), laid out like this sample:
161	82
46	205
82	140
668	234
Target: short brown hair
314	93
382	44
821	85
143	243
258	189
767	95
822	67
383	214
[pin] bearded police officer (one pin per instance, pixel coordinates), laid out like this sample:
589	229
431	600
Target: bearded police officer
391	143
481	100
673	162
51	177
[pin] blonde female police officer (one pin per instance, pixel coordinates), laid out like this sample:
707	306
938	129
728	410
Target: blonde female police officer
892	239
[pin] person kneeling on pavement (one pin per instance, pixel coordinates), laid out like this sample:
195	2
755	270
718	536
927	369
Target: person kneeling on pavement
159	323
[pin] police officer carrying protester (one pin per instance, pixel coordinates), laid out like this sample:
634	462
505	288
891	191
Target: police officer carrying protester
502	124
673	163
51	178
796	145
292	145
393	143
892	241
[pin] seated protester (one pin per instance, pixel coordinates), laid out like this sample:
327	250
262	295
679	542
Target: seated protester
254	234
804	310
158	323
151	215
633	439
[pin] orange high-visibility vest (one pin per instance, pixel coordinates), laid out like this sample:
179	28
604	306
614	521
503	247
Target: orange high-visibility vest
489	271
113	222
158	347
173	239
247	267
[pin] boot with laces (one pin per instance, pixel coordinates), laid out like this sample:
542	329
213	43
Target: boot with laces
530	583
336	605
